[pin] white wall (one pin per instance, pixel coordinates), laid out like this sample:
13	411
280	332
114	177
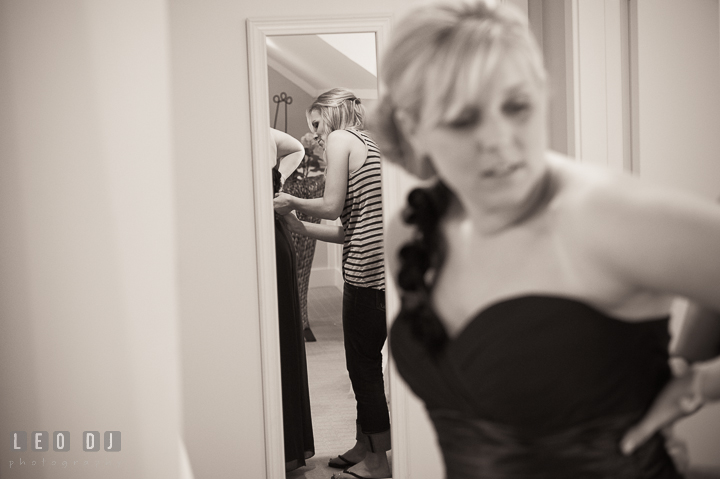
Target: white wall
679	94
296	121
678	139
222	393
88	336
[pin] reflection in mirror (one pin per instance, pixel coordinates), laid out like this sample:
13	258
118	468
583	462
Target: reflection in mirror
300	68
304	66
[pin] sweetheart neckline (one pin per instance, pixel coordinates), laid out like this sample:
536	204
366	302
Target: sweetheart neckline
551	297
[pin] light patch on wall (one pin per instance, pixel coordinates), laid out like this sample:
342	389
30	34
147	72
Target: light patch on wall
359	47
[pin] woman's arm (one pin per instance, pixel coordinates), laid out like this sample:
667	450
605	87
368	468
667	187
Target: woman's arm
290	153
338	147
327	233
654	240
665	242
685	238
699	335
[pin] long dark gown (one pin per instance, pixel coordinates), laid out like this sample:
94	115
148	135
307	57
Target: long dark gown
541	387
297	419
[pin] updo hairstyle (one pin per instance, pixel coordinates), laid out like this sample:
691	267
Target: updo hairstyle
339	108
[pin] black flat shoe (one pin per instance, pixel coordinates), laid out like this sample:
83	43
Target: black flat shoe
340	462
351	474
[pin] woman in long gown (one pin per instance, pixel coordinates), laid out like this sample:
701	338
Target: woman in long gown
535	289
297	418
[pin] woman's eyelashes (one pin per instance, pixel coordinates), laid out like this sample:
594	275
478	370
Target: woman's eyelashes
472	117
468	118
516	107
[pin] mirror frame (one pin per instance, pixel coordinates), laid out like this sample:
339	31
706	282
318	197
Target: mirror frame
257	31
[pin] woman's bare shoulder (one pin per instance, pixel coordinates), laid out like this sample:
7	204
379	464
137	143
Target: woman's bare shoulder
638	229
344	142
343	136
596	195
592	194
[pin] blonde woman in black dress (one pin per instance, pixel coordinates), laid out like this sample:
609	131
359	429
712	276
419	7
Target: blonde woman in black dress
535	289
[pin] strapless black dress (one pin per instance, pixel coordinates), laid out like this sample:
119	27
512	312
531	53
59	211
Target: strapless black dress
541	387
297	418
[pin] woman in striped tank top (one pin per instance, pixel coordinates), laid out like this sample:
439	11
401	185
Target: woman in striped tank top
353	193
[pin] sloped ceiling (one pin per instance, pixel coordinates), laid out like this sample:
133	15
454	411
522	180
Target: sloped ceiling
316	66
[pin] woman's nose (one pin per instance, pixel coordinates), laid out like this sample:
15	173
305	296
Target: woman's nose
493	133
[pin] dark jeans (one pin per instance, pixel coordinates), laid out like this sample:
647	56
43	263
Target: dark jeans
365	332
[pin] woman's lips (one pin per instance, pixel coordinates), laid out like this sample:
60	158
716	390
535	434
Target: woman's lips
501	171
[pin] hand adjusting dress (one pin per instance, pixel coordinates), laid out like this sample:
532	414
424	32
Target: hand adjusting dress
541	387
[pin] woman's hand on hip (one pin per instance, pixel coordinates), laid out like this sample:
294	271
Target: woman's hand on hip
679	398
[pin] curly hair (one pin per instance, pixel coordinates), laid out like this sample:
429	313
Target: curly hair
420	262
276	177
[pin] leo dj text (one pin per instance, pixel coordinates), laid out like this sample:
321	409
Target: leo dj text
40	441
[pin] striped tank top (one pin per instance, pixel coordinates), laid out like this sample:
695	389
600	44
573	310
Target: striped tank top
362	221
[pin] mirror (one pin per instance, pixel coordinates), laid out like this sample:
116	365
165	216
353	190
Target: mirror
271	45
301	67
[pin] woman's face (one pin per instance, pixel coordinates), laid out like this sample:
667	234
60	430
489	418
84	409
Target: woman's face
318	127
491	153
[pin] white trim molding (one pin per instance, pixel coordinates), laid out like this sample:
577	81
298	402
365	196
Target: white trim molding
257	31
265	246
598	60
